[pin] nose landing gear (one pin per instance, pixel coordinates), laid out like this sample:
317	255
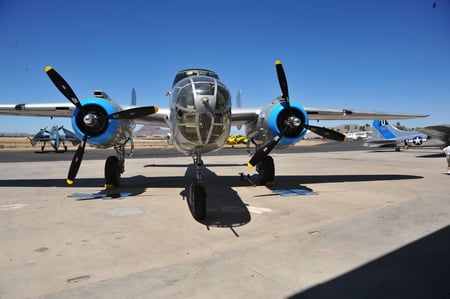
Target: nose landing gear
197	195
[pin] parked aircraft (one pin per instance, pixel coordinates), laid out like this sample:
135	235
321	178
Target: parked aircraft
386	135
237	139
55	138
199	117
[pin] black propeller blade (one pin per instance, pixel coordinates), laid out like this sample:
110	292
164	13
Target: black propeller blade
134	113
283	81
76	161
265	150
63	86
67	91
326	133
291	122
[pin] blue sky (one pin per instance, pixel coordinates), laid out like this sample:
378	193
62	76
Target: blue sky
391	56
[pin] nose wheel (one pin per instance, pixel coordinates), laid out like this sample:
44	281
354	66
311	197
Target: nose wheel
197	201
197	194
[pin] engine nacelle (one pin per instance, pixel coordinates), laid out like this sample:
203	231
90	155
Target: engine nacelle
272	120
102	132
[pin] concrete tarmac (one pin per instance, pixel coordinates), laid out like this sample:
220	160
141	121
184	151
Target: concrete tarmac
374	225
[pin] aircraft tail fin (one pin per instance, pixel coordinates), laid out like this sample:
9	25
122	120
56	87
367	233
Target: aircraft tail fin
239	99
239	104
133	97
383	130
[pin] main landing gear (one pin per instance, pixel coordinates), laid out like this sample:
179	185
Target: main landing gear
115	165
197	194
266	171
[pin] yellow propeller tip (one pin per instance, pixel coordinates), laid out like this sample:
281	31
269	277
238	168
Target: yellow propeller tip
69	182
109	186
249	165
278	62
48	68
345	138
156	109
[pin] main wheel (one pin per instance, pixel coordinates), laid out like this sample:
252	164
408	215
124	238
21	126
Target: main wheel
266	170
197	201
112	171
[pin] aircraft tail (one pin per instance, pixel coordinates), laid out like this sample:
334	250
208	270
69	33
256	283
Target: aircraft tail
385	133
239	99
133	97
383	130
239	104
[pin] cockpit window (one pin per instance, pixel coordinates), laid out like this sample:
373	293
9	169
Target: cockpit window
193	72
185	97
204	89
222	99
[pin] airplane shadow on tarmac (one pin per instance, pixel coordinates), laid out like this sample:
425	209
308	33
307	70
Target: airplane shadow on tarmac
420	269
224	206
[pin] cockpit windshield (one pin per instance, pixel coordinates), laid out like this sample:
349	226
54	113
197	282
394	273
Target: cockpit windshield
205	88
193	72
190	88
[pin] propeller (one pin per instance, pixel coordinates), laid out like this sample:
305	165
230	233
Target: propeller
283	82
91	119
290	122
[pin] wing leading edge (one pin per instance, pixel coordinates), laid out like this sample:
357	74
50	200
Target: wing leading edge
241	116
66	109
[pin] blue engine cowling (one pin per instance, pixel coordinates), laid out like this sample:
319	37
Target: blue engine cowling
107	132
272	120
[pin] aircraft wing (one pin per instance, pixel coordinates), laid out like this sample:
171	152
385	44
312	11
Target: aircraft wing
55	109
241	116
161	118
345	114
70	136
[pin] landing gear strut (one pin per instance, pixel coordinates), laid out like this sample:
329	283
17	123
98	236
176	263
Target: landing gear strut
115	165
197	194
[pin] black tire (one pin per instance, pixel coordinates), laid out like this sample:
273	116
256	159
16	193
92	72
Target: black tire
112	171
266	171
198	201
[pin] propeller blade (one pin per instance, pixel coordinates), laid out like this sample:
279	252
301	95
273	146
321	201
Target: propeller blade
134	113
283	81
265	150
76	162
327	133
63	86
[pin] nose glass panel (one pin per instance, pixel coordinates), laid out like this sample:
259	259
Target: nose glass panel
203	108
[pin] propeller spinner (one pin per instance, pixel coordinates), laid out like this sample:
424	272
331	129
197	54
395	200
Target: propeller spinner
290	122
90	118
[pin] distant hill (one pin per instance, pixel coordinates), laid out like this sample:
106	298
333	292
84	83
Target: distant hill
149	131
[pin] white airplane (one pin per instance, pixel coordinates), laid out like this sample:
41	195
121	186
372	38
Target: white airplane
54	138
199	117
385	134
